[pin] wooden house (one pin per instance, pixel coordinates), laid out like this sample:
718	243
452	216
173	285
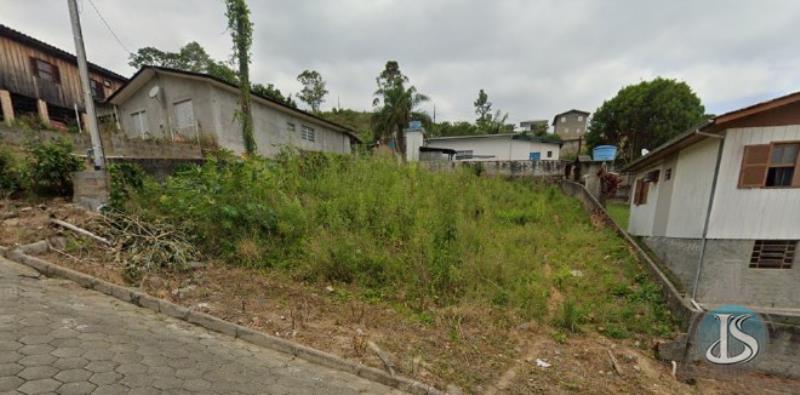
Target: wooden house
38	78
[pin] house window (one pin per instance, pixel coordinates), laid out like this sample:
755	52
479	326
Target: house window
184	115
770	166
773	254
549	154
580	118
563	119
97	89
566	130
640	192
139	121
290	127
45	70
309	134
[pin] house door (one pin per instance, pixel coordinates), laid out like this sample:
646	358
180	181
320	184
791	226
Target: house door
535	156
184	119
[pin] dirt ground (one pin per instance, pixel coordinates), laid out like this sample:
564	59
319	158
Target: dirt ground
473	348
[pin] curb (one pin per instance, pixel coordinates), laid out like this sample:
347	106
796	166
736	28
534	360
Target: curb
215	324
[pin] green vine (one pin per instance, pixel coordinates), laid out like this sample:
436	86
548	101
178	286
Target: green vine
241	28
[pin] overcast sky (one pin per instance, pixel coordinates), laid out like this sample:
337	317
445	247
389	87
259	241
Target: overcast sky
534	58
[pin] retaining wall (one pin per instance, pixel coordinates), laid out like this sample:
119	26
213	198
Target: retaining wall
513	168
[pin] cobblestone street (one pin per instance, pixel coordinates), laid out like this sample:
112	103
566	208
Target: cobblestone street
56	337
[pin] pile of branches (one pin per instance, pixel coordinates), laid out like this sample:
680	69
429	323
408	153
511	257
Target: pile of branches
142	246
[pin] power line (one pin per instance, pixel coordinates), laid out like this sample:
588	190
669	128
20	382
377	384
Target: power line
109	28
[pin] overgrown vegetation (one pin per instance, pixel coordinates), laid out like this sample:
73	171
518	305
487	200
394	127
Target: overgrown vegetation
409	236
51	165
44	168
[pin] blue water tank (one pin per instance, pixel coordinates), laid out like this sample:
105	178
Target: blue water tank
604	152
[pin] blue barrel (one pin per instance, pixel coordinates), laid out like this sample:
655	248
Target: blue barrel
604	152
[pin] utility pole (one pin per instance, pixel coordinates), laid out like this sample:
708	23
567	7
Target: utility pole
83	68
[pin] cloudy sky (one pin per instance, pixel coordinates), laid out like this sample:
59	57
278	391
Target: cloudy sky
534	58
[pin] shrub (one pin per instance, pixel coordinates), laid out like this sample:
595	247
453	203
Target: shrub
126	178
10	177
51	166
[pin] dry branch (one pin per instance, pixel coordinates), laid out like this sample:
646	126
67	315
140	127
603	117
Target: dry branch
80	231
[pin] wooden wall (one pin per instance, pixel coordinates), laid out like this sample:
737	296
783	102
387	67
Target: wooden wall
17	76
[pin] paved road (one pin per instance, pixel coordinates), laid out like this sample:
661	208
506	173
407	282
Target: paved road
56	337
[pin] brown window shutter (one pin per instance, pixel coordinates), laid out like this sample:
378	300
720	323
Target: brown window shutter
645	187
637	192
34	67
754	166
57	73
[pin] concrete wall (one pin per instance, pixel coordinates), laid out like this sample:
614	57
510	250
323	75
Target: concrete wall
160	112
499	148
757	212
114	145
526	168
727	277
271	128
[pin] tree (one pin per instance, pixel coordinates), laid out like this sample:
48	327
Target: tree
271	92
459	128
395	105
242	34
191	57
483	107
314	91
645	115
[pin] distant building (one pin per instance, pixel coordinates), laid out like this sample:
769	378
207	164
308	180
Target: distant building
720	205
162	103
571	127
498	147
38	78
533	126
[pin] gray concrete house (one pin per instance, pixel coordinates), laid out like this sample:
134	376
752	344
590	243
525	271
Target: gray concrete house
571	127
720	205
174	105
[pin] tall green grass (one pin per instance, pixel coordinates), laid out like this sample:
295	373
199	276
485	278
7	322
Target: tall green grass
408	234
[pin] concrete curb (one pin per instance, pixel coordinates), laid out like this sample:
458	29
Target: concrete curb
215	324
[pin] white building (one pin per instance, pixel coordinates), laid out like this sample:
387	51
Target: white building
498	147
169	104
720	205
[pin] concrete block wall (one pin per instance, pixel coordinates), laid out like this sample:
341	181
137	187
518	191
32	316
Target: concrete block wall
727	277
114	145
515	168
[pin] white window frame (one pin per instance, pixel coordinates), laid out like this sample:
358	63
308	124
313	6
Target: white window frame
140	124
308	133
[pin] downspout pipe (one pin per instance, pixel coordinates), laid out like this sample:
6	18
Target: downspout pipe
710	206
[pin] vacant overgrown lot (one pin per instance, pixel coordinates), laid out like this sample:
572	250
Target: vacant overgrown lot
398	233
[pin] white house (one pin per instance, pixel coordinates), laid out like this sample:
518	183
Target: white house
720	205
498	147
173	105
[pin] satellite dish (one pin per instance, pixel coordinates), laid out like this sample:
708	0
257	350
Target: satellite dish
153	93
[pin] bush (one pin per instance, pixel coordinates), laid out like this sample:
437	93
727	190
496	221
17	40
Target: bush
10	177
126	178
51	166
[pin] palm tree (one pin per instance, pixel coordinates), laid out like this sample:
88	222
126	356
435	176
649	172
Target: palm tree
399	105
